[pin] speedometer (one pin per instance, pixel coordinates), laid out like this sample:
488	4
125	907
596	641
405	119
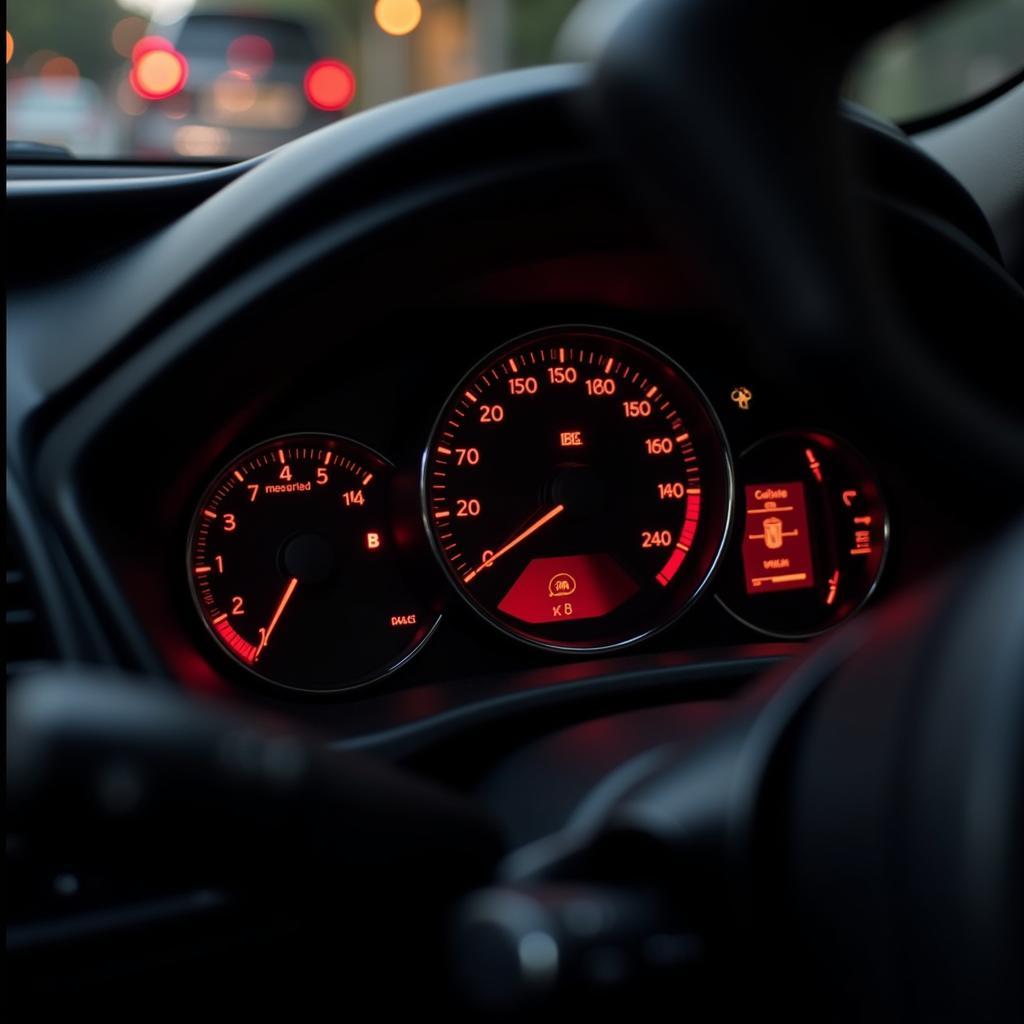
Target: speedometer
577	489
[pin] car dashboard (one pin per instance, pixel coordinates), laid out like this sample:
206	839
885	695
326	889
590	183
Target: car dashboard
248	482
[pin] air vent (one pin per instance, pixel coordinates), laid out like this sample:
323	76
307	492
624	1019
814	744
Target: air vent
28	639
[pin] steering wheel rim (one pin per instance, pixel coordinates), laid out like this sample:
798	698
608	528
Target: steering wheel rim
749	162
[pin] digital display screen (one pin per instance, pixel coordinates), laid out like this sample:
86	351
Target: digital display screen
776	539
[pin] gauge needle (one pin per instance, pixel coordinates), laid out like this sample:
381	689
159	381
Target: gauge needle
518	539
285	598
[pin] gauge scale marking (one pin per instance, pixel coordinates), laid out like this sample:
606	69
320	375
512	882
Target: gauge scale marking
577	489
295	570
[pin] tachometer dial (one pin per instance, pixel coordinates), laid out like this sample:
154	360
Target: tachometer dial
577	489
296	568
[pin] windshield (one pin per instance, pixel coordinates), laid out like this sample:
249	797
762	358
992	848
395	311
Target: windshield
195	79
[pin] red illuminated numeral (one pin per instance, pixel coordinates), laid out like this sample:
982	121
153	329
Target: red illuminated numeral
237	606
220	564
656	538
601	386
230	525
636	410
465	507
658	445
562	374
321	475
486	557
354	497
522	386
254	489
470	455
669	491
285	474
492	413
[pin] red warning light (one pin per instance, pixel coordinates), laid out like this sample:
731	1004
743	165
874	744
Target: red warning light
567	588
776	539
329	85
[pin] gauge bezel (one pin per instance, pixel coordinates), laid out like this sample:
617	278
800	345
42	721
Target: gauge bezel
724	453
805	432
225	468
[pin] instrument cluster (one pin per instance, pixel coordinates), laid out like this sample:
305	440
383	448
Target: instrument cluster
577	492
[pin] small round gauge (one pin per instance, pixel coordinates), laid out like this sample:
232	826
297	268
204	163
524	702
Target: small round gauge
815	534
296	568
577	489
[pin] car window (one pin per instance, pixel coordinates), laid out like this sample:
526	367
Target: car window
186	79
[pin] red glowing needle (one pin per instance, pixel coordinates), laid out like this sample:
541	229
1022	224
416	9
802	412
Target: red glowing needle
546	518
285	598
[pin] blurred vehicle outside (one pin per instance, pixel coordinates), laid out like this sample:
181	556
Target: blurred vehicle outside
219	80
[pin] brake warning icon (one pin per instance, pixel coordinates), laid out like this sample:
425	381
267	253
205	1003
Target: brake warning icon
562	584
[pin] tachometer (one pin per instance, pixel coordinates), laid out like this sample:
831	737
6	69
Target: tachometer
577	489
297	569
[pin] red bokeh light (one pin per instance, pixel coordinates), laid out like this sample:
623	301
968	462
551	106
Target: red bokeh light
330	85
149	43
158	70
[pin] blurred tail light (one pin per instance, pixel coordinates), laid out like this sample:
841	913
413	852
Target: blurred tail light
329	85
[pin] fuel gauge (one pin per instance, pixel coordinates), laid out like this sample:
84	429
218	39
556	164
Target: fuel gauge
815	532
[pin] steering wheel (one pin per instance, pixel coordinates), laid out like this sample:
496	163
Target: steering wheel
848	844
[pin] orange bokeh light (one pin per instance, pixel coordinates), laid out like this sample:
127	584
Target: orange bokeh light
330	85
60	70
398	17
10	47
158	73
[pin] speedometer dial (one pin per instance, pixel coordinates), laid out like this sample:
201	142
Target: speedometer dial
577	489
